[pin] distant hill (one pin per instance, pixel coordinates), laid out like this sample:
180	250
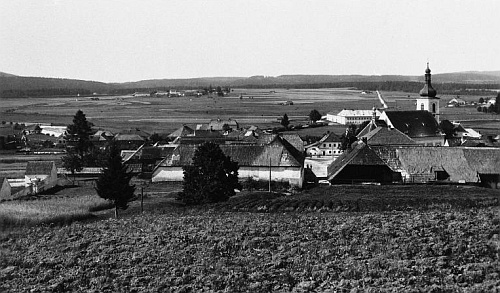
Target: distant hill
20	86
3	74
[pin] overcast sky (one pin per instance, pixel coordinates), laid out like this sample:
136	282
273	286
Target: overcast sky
134	40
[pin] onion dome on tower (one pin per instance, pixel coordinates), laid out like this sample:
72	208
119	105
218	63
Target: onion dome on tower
428	90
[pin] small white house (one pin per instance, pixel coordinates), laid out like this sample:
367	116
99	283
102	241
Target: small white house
5	189
41	175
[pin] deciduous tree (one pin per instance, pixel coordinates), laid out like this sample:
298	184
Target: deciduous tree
314	116
348	138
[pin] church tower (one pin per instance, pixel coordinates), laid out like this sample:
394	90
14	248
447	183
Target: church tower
428	100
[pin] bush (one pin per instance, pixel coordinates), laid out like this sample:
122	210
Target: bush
252	184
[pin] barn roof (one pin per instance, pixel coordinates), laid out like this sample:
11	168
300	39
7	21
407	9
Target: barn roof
421	160
483	160
39	167
361	154
414	123
281	153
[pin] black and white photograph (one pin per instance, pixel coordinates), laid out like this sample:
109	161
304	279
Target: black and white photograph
249	146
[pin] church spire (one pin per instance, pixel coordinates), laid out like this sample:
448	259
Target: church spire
428	90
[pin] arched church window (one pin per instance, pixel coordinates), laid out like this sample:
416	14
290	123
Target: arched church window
422	107
433	108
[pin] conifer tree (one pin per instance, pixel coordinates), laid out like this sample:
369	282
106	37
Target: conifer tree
114	182
78	134
212	177
285	121
78	143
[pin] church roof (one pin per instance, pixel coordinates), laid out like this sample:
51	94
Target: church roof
414	123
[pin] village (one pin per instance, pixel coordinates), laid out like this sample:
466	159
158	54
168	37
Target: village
379	146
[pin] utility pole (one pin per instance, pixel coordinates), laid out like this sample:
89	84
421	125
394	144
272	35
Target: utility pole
269	174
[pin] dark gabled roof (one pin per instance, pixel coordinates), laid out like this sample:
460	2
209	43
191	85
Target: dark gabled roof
294	139
136	131
388	136
128	137
195	140
149	153
330	137
361	154
414	123
39	167
206	133
182	131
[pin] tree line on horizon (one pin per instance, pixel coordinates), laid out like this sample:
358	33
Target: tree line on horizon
402	86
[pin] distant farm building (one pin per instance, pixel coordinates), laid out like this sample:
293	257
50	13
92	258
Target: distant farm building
222	124
346	117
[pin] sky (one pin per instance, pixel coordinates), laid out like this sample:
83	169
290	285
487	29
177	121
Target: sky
118	41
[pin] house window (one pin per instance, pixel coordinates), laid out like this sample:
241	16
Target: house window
330	145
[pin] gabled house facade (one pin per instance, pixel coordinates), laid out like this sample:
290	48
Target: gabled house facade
41	175
328	145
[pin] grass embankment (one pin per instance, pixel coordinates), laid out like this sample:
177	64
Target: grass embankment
359	198
51	209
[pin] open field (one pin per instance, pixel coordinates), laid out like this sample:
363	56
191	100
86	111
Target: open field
257	106
436	248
